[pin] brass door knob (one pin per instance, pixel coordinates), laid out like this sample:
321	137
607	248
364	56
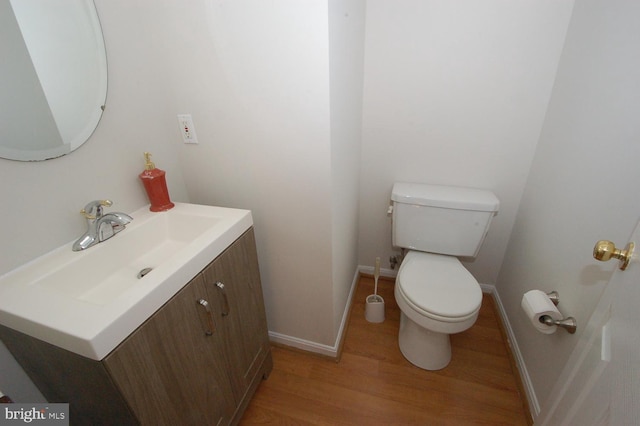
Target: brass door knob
605	250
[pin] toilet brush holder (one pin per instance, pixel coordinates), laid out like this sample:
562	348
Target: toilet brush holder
374	308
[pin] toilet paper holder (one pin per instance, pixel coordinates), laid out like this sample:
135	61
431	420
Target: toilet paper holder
570	324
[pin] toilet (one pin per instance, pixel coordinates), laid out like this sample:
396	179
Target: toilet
437	296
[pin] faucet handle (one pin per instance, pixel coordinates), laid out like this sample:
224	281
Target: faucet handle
93	210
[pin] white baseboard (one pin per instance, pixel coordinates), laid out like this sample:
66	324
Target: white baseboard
305	345
534	405
319	348
389	273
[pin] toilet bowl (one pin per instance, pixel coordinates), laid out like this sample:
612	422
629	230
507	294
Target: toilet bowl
437	297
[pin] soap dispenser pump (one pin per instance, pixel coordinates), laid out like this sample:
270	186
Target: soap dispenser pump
156	186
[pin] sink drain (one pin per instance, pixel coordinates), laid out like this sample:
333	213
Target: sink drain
144	272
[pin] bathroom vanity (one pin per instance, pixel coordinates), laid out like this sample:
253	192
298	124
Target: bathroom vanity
198	359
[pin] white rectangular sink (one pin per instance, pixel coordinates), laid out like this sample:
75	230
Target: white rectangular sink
88	302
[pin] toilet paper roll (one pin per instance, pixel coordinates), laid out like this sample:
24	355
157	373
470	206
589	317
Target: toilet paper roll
536	304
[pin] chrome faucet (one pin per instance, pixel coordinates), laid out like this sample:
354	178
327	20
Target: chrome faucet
101	226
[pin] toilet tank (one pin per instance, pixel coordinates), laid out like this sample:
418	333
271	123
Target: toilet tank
441	219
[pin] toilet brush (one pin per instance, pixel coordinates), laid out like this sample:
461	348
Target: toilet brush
376	274
374	307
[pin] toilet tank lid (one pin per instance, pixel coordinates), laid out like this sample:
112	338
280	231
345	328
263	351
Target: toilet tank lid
453	197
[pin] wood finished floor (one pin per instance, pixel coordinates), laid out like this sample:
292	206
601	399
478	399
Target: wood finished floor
373	384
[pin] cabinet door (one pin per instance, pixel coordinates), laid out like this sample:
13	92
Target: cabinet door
172	372
239	307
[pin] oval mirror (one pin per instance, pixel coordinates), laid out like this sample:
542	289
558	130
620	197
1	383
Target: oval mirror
53	90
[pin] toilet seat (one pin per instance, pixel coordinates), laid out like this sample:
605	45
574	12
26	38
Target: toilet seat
438	287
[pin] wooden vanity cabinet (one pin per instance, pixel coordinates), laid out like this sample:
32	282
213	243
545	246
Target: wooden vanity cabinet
170	372
196	361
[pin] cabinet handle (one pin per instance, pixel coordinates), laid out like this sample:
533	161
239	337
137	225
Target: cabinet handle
225	308
212	326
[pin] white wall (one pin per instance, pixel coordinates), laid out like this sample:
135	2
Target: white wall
263	120
582	186
455	93
346	57
280	135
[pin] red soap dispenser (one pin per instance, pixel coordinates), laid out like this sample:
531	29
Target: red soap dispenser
156	186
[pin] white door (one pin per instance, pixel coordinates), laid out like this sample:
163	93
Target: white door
600	385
